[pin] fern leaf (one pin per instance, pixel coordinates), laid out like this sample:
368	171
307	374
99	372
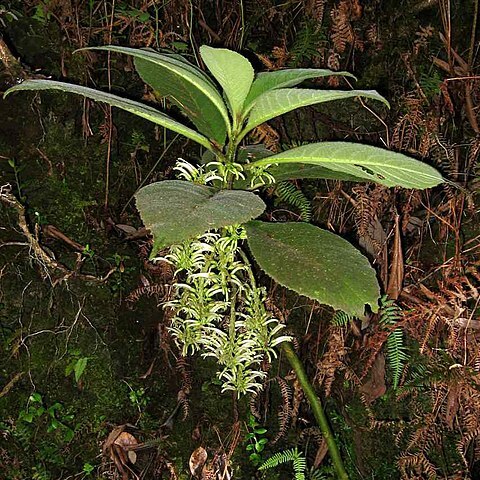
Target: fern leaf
291	455
341	319
397	357
295	197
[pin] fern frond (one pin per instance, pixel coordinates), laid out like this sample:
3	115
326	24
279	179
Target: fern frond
341	319
291	455
285	412
316	474
396	355
289	193
307	42
390	314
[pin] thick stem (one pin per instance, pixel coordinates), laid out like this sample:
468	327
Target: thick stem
317	408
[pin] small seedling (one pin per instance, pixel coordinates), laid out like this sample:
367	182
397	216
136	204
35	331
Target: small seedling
256	440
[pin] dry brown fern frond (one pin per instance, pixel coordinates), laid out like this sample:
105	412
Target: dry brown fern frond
266	135
425	436
465	442
432	321
333	63
422	38
158	290
253	404
183	395
318	10
368	206
407	128
285	410
341	30
410	201
443	156
278	58
473	154
372	37
297	398
331	361
411	464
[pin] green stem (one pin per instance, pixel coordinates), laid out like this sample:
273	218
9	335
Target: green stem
317	408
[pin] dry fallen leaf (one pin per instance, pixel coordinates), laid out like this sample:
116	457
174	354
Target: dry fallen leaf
197	461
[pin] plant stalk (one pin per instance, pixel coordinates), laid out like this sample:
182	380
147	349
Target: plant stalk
318	410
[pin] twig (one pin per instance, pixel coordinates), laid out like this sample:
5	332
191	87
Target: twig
473	35
40	254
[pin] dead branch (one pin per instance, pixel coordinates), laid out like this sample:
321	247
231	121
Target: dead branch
43	258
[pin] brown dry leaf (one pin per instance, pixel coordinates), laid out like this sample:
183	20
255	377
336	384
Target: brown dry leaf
125	439
132	456
375	386
197	461
396	274
118	446
321	452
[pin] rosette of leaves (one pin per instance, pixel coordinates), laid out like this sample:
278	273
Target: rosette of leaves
220	110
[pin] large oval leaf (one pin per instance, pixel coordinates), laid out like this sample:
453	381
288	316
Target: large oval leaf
233	72
287	78
315	263
283	100
140	109
362	161
174	210
185	85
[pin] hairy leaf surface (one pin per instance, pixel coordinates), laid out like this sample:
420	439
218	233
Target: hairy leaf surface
233	72
363	162
283	100
175	210
140	109
315	263
185	85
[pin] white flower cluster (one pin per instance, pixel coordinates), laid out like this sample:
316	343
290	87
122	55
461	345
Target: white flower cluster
220	312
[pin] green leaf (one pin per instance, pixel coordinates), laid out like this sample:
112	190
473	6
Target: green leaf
26	416
284	171
362	161
315	263
291	77
35	398
80	366
292	171
283	100
260	431
255	457
233	72
131	106
69	368
174	210
185	85
68	434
